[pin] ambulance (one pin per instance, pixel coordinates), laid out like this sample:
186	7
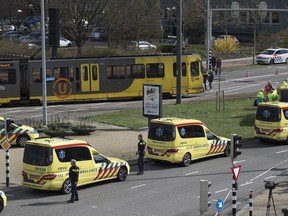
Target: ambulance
17	133
46	164
178	140
271	122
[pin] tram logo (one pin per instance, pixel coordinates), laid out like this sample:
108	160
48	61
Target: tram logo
62	88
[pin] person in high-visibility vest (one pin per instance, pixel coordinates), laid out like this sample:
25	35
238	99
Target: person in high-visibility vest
260	97
273	95
284	83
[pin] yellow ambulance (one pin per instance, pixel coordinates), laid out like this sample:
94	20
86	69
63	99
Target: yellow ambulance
271	122
178	140
3	200
46	164
17	133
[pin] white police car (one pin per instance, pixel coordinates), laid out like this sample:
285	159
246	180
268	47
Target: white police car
273	56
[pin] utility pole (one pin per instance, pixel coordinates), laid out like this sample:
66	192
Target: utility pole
179	51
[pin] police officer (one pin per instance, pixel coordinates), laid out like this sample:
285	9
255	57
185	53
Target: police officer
141	153
74	176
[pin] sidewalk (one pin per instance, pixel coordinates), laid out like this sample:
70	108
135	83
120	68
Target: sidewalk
260	201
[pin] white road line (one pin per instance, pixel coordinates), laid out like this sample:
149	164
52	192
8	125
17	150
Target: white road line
137	186
240	161
281	151
247	183
15	111
269	177
191	173
269	169
221	190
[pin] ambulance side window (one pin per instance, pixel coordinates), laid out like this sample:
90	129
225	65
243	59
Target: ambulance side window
2	125
100	159
192	131
285	114
211	136
77	153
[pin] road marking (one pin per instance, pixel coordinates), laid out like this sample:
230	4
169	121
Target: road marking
269	170
240	161
221	190
137	186
247	183
94	206
191	173
281	151
270	177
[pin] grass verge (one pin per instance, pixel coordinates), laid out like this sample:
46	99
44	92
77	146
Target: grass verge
238	116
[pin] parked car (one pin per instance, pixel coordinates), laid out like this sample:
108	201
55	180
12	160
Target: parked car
30	39
7	28
144	45
224	37
98	34
273	56
31	20
65	42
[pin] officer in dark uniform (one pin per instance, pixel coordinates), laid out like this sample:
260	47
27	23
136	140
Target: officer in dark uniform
141	154
74	176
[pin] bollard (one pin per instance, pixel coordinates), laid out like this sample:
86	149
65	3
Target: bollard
250	202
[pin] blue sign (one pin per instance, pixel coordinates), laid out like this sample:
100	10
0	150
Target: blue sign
220	205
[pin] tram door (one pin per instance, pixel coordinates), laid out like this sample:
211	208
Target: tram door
89	77
184	78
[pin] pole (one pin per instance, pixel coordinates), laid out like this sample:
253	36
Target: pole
44	93
234	197
179	51
7	159
208	39
250	202
7	169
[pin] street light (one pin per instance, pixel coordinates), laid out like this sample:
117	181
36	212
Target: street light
171	16
19	13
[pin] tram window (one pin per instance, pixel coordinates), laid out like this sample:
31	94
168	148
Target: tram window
155	70
135	71
115	71
85	73
94	72
77	73
184	71
195	68
37	75
8	76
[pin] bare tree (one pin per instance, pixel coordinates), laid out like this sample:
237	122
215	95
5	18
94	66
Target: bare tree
132	20
78	17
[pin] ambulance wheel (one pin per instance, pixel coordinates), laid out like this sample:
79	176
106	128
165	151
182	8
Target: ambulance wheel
1	205
66	187
186	160
227	151
122	174
21	140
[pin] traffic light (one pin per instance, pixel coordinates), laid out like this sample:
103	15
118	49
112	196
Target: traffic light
237	145
205	194
234	146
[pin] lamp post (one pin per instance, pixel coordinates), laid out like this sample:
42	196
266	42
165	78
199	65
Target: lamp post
19	13
171	16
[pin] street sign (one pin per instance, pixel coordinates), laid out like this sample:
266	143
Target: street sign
236	171
5	145
220	205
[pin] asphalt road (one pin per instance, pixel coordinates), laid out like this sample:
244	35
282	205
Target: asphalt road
164	189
